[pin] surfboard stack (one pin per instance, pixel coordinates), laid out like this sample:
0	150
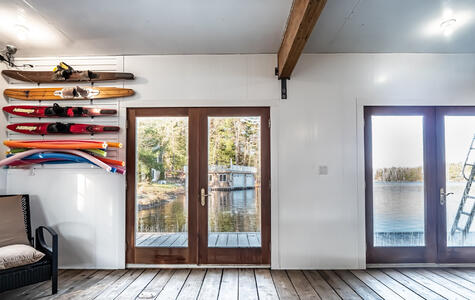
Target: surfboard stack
63	151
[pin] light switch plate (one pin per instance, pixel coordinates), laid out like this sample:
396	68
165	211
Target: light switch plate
323	170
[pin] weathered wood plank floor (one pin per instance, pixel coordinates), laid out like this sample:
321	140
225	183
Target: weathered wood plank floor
215	239
439	283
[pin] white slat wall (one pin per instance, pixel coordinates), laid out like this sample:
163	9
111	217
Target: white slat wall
106	63
83	203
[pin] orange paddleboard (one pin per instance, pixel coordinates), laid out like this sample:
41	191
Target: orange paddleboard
73	93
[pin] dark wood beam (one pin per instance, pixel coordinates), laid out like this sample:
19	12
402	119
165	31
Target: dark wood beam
303	17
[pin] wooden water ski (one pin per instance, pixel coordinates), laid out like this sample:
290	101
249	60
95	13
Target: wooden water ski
76	76
72	93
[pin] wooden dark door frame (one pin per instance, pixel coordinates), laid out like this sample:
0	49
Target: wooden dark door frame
427	253
236	255
197	251
436	250
448	254
156	255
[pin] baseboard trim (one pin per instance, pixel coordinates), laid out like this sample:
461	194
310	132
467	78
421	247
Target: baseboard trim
160	266
420	265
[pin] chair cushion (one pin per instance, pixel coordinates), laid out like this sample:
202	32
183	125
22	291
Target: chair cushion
12	224
18	255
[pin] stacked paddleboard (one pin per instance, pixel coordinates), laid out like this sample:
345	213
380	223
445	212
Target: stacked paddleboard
60	129
31	152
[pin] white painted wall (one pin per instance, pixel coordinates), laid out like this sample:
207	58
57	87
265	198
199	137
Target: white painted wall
85	207
3	122
317	220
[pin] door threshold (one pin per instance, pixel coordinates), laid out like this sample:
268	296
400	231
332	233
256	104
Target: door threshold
193	266
421	265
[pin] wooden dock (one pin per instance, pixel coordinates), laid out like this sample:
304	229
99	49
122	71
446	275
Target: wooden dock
215	239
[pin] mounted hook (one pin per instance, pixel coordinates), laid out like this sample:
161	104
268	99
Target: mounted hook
7	56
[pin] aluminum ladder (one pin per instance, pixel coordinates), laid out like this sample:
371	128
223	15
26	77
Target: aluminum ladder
465	228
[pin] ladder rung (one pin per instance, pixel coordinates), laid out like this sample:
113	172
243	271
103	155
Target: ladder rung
465	213
460	229
470	197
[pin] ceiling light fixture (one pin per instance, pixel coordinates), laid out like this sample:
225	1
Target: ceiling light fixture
22	32
381	78
448	26
449	22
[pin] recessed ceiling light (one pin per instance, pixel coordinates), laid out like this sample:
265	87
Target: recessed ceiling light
22	32
448	23
381	78
448	26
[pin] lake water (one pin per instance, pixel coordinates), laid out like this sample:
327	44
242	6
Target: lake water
229	211
399	207
398	213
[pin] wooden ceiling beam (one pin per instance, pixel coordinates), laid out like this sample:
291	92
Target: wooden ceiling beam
302	19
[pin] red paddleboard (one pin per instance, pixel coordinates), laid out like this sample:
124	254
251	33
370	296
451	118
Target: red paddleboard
57	111
60	128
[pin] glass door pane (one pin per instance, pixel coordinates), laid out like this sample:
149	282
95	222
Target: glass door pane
398	181
234	182
161	182
459	173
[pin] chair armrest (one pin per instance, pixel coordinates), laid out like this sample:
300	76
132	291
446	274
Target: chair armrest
51	253
41	244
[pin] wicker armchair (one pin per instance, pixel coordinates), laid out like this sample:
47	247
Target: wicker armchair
43	270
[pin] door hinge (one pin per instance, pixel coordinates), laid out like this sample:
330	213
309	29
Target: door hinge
270	184
269	123
127	124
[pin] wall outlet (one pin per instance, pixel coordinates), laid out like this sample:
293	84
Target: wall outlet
322	170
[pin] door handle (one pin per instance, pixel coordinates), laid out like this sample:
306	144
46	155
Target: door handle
203	197
443	196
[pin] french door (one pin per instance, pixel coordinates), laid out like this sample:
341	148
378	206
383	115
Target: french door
198	185
419	169
456	172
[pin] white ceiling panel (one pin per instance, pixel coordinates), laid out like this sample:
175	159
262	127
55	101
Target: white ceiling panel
116	27
97	27
393	26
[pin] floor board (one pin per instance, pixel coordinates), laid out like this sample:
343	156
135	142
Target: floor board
412	285
211	284
357	285
174	285
247	285
340	286
439	289
115	289
155	286
229	284
376	285
302	285
395	286
285	288
262	284
192	286
135	288
265	285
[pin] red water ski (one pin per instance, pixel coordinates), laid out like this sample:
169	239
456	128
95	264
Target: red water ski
60	128
57	111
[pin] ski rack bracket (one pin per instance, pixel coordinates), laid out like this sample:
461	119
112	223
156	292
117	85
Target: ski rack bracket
283	84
